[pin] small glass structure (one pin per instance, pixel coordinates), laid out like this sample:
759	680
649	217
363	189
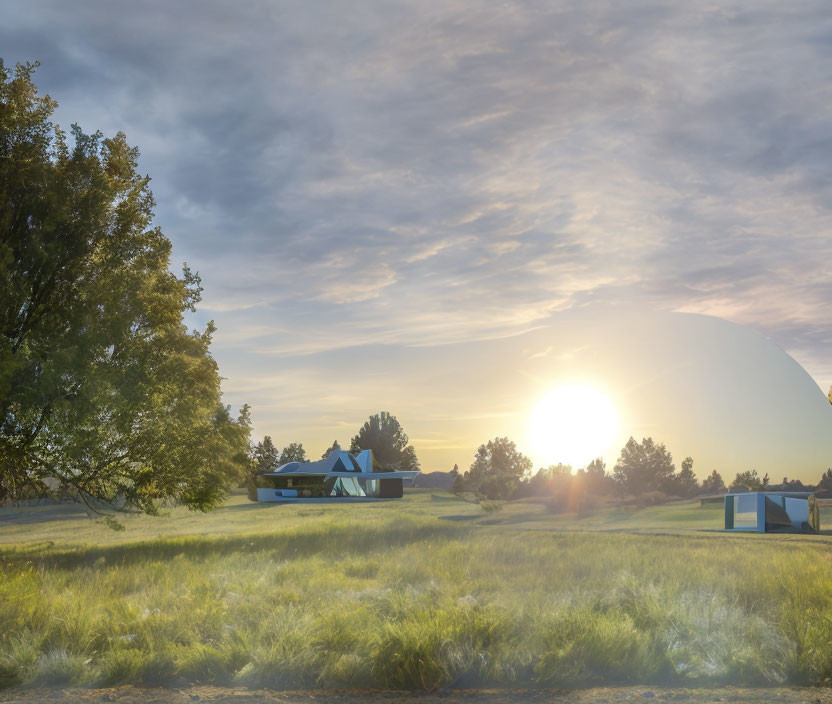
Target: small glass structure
341	476
772	512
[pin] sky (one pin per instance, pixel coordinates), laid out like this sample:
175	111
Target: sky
371	188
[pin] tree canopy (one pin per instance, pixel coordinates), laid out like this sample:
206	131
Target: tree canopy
293	452
685	482
644	467
103	390
266	456
749	481
713	484
383	434
825	484
335	447
497	469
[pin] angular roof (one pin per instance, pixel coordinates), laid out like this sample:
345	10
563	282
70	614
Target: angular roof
341	463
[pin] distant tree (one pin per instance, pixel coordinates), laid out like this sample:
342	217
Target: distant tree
384	435
293	452
597	479
825	484
644	467
829	395
335	447
713	484
685	482
497	469
789	485
266	457
597	468
554	480
749	481
553	473
457	481
104	392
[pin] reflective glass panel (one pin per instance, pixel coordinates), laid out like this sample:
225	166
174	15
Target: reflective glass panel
745	511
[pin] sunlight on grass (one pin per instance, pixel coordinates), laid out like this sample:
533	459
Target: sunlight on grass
394	596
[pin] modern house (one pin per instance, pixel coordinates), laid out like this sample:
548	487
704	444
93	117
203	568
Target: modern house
341	476
772	511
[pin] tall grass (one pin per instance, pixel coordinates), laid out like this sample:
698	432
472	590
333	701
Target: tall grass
403	600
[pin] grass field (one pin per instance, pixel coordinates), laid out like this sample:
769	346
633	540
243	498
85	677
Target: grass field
420	593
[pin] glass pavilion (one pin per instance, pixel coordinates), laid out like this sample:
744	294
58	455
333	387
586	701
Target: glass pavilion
772	511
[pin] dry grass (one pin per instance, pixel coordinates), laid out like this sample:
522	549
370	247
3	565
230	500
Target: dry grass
415	594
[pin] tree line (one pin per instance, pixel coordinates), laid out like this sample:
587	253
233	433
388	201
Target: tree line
644	470
382	433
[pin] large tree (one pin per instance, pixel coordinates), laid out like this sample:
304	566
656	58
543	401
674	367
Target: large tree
685	482
713	484
749	481
497	469
266	456
384	435
103	390
824	486
644	467
293	452
335	447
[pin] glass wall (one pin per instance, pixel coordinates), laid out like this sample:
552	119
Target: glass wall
745	511
347	486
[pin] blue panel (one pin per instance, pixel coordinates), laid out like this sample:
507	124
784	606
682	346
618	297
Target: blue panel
761	513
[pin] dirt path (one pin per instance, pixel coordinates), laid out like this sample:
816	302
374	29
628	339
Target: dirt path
597	695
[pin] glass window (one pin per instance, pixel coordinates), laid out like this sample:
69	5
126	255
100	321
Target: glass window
347	486
777	517
745	511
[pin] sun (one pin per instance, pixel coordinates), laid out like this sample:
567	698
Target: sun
573	425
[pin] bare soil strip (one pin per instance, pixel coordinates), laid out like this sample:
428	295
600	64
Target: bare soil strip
596	695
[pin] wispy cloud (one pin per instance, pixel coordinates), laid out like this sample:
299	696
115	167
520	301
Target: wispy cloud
424	173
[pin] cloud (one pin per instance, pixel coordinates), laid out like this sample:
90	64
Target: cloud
425	173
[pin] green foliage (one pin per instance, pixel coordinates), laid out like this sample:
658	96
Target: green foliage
293	452
497	470
713	484
567	490
59	667
490	506
335	447
103	391
121	666
685	482
825	484
384	435
644	467
458	480
266	456
596	475
749	481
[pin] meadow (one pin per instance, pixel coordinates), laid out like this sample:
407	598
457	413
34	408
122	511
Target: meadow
422	593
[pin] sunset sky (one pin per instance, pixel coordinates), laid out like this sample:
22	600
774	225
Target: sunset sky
447	209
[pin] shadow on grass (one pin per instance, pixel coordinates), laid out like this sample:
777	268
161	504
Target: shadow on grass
253	506
285	544
64	513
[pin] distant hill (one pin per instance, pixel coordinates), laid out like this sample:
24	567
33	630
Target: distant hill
434	480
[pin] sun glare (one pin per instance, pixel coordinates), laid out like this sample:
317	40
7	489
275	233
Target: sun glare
572	425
